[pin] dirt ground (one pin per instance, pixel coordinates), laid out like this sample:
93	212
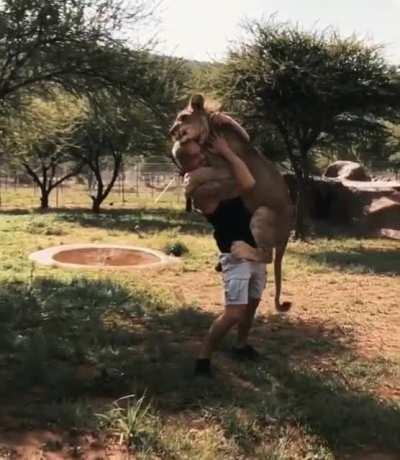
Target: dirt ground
361	304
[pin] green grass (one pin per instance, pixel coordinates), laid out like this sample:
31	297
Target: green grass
113	352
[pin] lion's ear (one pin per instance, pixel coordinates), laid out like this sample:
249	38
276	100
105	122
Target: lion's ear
197	102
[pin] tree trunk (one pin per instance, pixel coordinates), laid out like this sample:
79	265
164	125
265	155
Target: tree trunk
96	203
44	200
302	177
300	226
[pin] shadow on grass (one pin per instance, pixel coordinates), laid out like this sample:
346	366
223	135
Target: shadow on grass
310	377
17	212
66	344
361	261
143	220
52	333
67	341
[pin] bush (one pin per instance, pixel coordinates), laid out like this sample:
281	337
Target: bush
177	249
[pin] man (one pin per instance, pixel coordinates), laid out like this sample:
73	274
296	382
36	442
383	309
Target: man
243	265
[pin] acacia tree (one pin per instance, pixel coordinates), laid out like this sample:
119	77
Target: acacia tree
68	42
40	137
101	143
131	122
310	87
79	46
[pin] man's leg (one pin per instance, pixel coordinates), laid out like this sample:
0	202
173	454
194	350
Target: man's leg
236	276
256	287
232	315
246	322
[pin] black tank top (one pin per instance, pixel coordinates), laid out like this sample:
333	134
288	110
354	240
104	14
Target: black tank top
231	222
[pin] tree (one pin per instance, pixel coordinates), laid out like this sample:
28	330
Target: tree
80	46
68	42
114	130
310	87
131	122
40	137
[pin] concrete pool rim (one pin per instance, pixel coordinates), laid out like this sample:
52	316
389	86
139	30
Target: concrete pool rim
46	257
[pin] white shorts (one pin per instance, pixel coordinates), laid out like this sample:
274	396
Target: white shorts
243	280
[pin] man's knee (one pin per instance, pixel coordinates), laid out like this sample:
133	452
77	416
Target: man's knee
235	312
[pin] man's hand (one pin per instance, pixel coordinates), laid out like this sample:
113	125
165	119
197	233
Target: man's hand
242	250
188	184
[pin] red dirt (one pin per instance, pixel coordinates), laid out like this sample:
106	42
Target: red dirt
47	445
359	306
105	257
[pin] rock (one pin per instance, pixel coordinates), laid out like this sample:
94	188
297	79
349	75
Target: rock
389	233
383	215
349	170
365	206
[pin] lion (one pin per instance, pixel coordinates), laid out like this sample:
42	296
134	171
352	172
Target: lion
269	200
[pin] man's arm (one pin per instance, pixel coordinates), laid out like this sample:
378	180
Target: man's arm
202	176
242	250
207	197
208	186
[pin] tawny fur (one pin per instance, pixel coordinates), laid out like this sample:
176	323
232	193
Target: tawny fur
269	200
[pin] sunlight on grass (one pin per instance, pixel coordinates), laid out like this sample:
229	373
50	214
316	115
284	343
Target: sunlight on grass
73	343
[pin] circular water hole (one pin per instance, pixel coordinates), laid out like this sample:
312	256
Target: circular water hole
102	257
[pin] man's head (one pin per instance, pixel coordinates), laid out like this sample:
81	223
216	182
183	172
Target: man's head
192	122
188	156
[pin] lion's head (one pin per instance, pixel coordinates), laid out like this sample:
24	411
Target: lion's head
195	123
192	122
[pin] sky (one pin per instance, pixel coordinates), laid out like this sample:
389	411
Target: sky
204	29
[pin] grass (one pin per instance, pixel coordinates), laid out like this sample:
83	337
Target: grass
113	352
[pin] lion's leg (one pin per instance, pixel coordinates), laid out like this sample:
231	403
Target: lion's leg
279	252
271	231
263	226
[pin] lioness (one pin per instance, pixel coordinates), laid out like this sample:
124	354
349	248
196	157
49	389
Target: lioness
268	201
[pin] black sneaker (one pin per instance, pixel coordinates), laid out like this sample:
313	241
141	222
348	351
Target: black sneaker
245	353
203	368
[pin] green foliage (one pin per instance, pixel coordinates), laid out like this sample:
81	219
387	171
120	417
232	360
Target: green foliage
203	76
115	130
83	48
312	89
41	131
65	42
39	137
71	343
308	85
132	421
176	248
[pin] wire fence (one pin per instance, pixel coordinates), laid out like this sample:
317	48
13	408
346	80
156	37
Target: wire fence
155	183
150	182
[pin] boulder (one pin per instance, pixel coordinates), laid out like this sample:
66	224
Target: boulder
349	170
371	208
383	214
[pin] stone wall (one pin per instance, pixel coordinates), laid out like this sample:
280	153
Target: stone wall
368	206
